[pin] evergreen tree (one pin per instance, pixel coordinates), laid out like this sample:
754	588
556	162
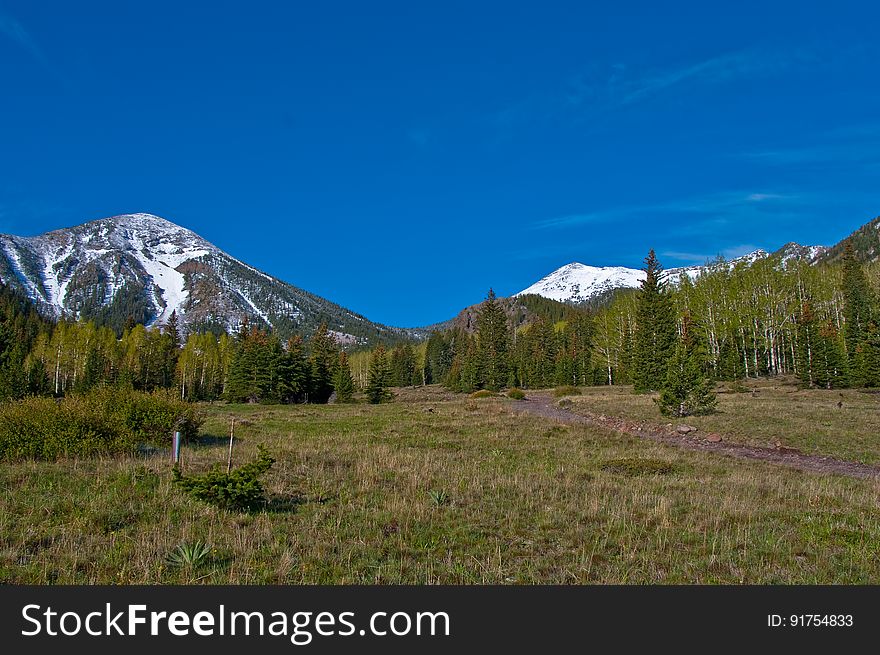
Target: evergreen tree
687	391
322	364
821	358
438	357
493	343
343	383
254	370
378	380
856	302
294	372
469	365
867	358
403	365
172	330
655	338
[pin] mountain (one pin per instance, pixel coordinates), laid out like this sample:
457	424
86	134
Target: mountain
580	284
144	268
865	243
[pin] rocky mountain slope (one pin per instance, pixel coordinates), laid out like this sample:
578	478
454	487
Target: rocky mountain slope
142	268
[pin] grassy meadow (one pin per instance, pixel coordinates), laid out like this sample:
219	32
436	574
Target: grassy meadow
844	424
437	488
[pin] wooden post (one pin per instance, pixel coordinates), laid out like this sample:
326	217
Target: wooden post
231	440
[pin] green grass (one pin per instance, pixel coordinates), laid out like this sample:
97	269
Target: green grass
768	412
440	489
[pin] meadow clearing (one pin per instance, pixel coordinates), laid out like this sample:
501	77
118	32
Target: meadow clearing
442	488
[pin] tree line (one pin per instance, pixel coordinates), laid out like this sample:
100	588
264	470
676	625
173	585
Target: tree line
40	357
733	322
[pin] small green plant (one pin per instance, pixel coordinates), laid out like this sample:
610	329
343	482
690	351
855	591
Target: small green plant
516	394
560	392
439	498
239	490
188	555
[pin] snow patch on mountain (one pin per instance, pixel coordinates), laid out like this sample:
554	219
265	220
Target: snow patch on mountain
578	282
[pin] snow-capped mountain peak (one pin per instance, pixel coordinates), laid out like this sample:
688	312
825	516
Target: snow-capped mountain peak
577	283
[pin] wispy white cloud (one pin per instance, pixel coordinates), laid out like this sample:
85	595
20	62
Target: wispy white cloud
760	197
731	252
14	31
747	63
851	145
717	207
686	256
601	89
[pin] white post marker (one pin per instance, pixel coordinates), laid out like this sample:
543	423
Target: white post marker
175	447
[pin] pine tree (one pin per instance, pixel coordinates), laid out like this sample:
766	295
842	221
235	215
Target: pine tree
172	330
655	338
403	365
856	302
343	383
438	357
868	357
254	370
493	343
322	364
687	390
377	382
293	374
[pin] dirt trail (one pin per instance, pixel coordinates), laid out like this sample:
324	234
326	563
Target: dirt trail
544	405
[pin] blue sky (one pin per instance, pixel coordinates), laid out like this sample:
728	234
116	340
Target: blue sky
401	158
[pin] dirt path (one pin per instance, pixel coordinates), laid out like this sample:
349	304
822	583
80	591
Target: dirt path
544	405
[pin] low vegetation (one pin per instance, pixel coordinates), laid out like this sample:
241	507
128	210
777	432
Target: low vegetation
562	392
104	421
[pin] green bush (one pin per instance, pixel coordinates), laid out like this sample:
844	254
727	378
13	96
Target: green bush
633	466
516	394
484	393
559	392
239	490
104	421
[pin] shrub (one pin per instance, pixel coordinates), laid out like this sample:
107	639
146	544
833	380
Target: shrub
239	490
104	421
484	393
633	466
559	392
516	394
